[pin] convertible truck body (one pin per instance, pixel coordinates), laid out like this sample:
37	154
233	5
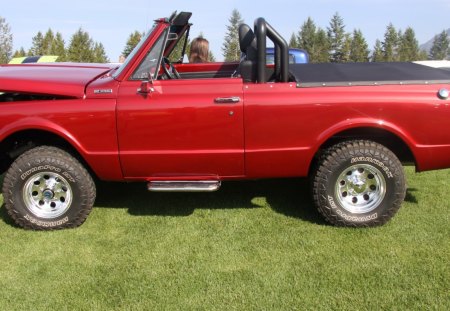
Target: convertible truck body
188	127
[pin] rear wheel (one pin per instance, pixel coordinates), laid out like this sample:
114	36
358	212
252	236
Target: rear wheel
46	188
358	183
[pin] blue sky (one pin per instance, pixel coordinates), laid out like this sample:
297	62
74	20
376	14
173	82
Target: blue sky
111	22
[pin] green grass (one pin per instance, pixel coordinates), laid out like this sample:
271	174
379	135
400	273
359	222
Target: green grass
250	246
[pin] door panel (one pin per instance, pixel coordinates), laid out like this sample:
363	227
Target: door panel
180	130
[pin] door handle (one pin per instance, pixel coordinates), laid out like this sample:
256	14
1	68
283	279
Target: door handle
227	100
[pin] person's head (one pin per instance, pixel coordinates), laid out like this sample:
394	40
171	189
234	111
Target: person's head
199	50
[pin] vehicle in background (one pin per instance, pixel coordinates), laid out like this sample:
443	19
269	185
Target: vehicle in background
296	56
33	59
440	64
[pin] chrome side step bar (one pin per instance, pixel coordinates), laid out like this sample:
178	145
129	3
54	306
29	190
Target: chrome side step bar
184	186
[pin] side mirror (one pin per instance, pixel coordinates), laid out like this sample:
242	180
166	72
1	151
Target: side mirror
146	88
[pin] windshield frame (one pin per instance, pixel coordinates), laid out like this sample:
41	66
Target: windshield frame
135	51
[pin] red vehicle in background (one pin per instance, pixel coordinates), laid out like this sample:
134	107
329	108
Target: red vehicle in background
188	127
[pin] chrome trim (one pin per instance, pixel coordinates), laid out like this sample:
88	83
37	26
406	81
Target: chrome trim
184	186
369	83
443	93
227	100
103	91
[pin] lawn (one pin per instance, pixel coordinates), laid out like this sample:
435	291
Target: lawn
256	245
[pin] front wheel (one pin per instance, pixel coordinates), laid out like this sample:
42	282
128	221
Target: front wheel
46	188
358	183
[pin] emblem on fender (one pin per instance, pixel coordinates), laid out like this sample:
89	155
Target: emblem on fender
103	91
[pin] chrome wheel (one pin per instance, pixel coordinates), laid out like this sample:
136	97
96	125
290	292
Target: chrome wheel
360	188
47	195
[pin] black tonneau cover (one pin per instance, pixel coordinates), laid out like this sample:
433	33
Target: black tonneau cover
348	74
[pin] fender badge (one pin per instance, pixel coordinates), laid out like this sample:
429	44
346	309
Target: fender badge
104	91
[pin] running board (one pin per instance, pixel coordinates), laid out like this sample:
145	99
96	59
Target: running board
184	186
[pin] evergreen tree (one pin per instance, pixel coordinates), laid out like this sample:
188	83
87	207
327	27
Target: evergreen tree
314	41
322	48
6	41
346	48
176	55
37	45
230	47
307	37
409	46
132	41
20	53
390	44
378	54
211	57
58	48
99	53
440	49
47	42
359	50
81	48
293	43
336	36
423	55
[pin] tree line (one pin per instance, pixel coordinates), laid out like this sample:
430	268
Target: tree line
332	44
335	44
81	47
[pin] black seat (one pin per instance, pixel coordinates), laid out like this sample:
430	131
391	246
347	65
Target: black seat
247	44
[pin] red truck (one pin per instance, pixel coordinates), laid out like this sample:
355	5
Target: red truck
188	127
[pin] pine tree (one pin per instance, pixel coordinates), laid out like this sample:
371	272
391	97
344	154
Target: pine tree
99	53
47	42
81	48
132	41
211	57
37	45
230	47
322	49
314	41
390	44
359	50
176	54
293	42
58	48
409	46
441	47
6	41
20	53
336	36
346	48
307	37
423	55
377	54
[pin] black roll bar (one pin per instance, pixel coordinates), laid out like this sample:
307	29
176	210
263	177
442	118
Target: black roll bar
263	30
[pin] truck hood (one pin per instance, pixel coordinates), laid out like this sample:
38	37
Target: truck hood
62	79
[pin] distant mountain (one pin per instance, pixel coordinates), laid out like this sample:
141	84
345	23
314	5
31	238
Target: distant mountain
427	45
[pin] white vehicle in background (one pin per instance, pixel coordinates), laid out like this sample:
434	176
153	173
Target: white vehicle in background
441	64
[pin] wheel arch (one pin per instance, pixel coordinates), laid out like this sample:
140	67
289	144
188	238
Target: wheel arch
392	139
16	143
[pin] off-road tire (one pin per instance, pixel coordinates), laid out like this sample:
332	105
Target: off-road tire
46	189
358	183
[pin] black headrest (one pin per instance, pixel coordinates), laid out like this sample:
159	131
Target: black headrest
247	41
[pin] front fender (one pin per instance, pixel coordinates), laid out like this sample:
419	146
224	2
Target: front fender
89	126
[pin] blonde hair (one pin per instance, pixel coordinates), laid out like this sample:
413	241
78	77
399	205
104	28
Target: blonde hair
199	51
